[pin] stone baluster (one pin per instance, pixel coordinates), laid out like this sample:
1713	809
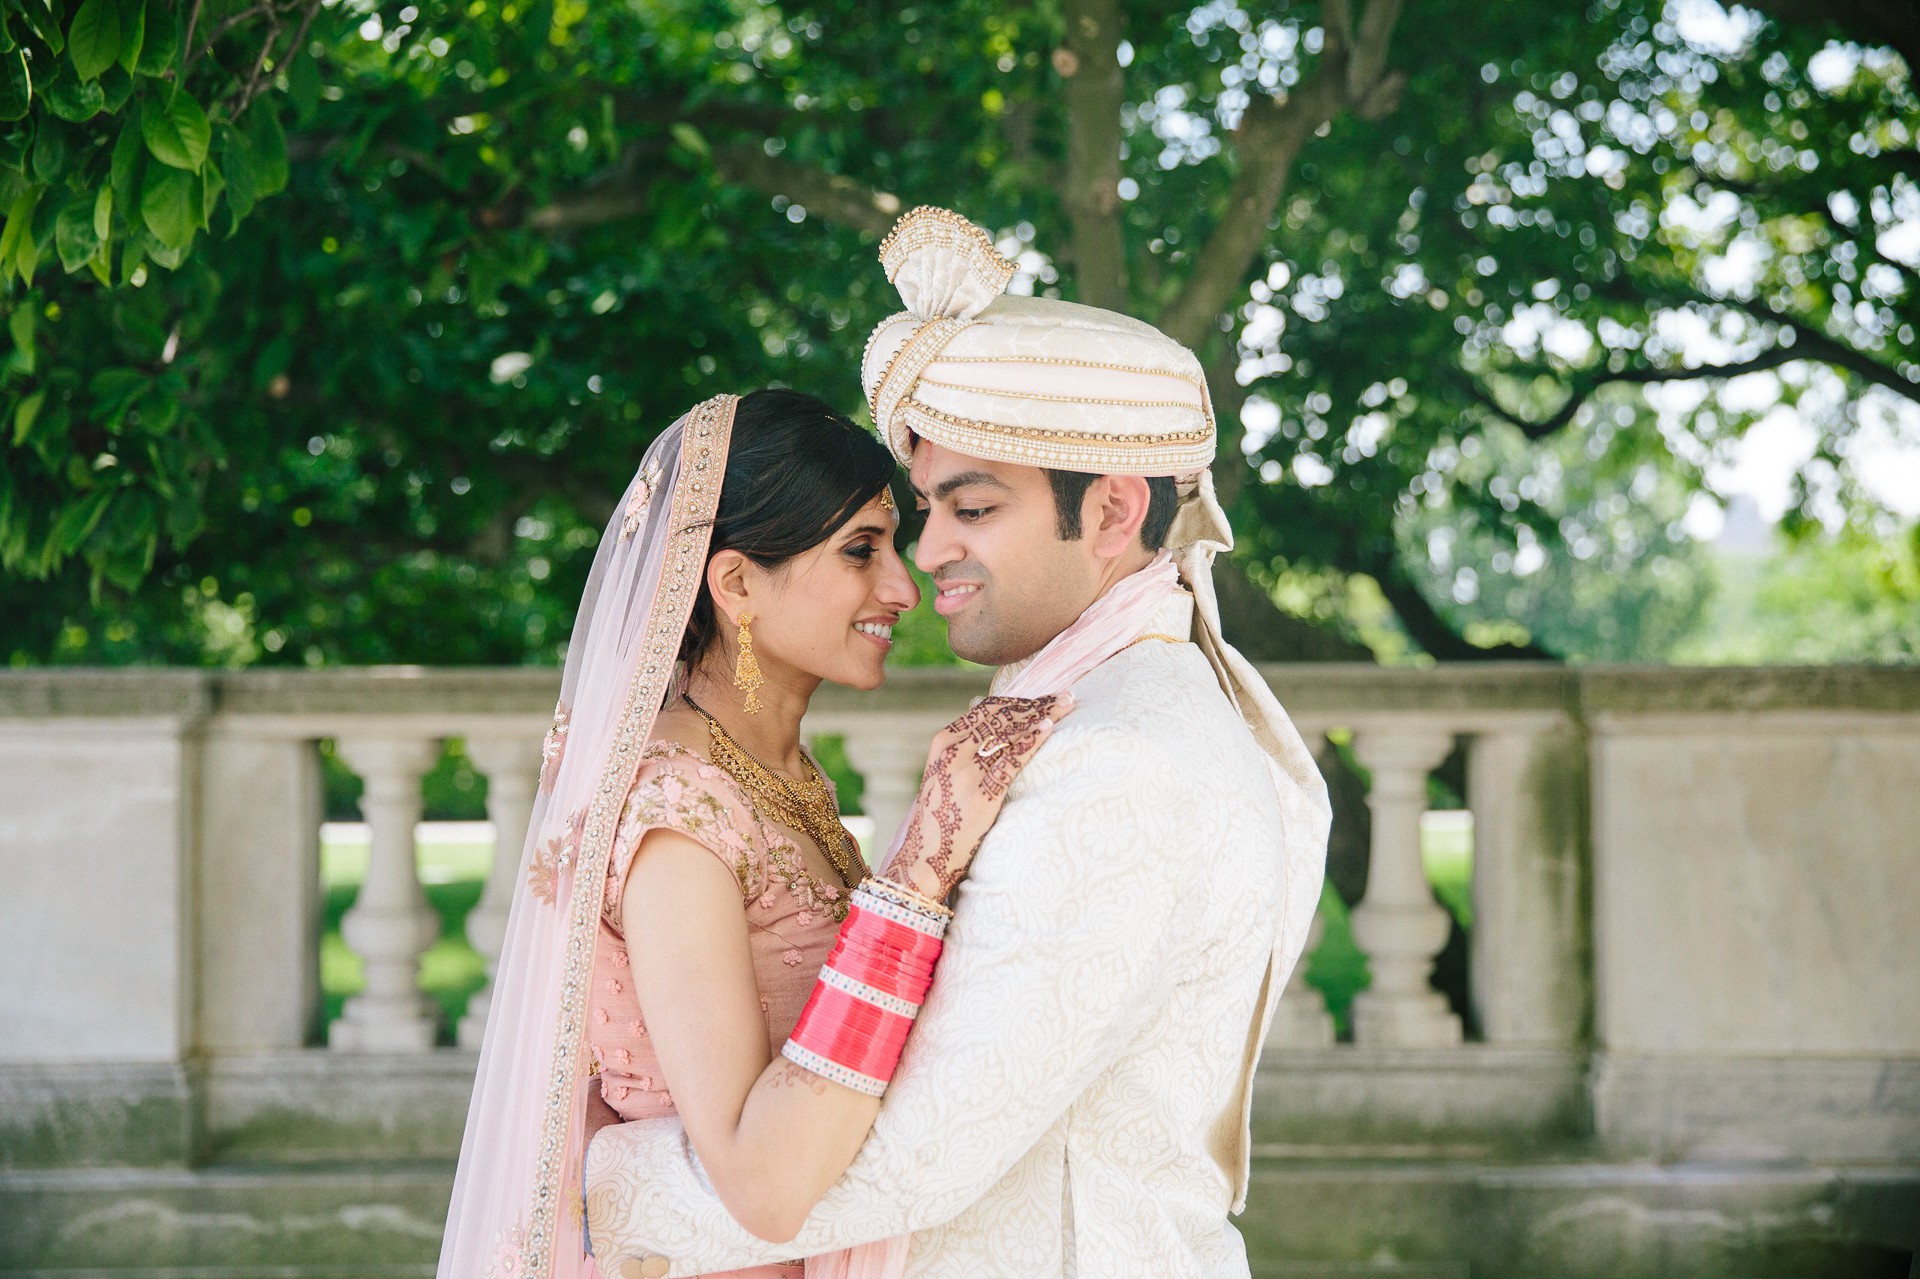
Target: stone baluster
890	760
1398	923
512	768
1302	1019
390	924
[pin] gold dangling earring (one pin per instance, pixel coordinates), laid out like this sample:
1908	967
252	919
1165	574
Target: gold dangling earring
746	667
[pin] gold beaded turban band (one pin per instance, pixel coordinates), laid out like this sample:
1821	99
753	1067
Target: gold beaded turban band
1032	381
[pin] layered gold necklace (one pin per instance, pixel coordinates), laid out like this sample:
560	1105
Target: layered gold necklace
805	805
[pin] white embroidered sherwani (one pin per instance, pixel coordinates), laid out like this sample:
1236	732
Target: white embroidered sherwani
1073	1099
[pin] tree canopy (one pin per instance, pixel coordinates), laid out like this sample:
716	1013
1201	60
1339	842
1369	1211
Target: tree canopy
1442	261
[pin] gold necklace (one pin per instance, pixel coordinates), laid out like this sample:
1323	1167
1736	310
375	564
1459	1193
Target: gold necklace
804	805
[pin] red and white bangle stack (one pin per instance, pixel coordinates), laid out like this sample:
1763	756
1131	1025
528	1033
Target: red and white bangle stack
856	1021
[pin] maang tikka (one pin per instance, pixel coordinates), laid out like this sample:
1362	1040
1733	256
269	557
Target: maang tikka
746	667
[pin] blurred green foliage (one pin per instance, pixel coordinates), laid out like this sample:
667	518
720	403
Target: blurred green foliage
383	417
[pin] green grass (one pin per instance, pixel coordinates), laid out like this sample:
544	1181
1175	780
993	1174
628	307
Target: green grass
453	874
451	970
1338	968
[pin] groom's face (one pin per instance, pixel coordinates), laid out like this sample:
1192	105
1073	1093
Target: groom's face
1007	582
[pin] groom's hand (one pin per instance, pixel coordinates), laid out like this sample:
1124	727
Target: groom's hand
970	765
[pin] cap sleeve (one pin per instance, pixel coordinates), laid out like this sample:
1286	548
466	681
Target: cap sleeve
676	790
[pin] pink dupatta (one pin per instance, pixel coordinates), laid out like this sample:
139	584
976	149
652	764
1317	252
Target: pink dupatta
516	1210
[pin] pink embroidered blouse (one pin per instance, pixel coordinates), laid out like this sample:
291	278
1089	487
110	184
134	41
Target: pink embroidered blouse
792	919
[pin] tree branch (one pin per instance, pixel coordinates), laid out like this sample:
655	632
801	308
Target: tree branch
1585	388
830	195
624	193
1809	343
1089	62
1435	634
1351	75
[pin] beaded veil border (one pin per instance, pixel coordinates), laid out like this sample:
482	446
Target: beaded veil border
515	1212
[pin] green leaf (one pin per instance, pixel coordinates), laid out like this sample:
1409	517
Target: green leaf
24	415
103	214
45	24
116	86
18	230
16	85
269	147
74	99
93	41
688	137
212	183
159	411
162	38
133	32
73	235
78	520
101	264
50	152
236	156
303	84
21	326
184	517
114	389
128	156
167	207
170	256
176	131
27	259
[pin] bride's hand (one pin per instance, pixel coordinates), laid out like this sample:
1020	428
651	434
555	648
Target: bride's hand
970	765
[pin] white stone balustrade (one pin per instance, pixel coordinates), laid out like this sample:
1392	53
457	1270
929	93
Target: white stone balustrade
389	924
512	769
1631	828
1398	923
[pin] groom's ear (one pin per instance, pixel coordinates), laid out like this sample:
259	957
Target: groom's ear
1115	508
728	583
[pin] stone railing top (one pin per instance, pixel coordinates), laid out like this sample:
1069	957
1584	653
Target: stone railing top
1317	689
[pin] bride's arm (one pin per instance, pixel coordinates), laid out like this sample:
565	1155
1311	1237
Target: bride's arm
772	1136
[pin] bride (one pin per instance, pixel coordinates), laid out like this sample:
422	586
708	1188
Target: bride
686	873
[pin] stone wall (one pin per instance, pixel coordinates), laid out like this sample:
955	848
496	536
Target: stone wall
1695	965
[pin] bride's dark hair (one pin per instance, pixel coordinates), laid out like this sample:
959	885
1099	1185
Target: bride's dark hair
796	471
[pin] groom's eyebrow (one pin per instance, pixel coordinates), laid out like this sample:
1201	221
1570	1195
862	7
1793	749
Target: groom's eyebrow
967	479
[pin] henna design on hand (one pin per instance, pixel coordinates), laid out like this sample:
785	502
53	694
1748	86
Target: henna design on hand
1001	734
791	1075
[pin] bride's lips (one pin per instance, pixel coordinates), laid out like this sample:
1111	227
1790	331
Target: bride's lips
879	630
954	596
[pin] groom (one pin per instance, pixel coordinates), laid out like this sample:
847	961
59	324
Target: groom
1074	1097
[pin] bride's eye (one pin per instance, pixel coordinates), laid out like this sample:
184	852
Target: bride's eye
863	551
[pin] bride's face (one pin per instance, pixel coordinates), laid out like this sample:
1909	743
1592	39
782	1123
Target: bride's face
829	612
